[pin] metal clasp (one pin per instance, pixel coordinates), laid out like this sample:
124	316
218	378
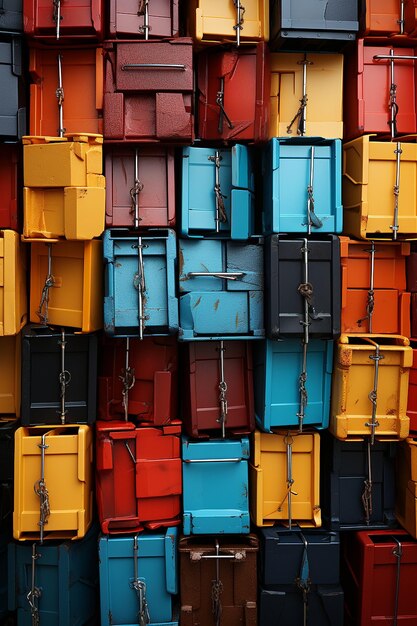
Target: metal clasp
395	227
135	191
42	311
143	9
60	97
288	440
312	218
367	492
128	379
64	376
223	392
222	112
301	113
139	284
41	491
140	587
35	593
371	293
373	395
220	209
240	12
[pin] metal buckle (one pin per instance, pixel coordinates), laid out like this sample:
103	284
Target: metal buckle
143	9
301	113
56	16
240	12
128	379
140	587
312	219
220	210
60	97
395	227
64	376
35	593
41	491
222	112
397	552
288	440
367	492
371	293
223	392
373	395
42	311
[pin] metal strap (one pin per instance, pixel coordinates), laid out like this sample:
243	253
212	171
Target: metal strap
301	113
135	191
370	304
154	66
217	589
42	311
302	389
222	112
223	392
224	275
373	395
401	21
240	12
35	593
139	284
64	376
305	289
220	210
140	587
367	491
288	440
130	452
60	97
312	219
57	17
395	227
41	491
231	460
397	552
143	9
303	581
128	379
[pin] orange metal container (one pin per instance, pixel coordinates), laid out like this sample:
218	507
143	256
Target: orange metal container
383	18
374	296
82	83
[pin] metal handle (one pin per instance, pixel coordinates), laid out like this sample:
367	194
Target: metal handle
225	275
154	66
235	557
236	460
394	57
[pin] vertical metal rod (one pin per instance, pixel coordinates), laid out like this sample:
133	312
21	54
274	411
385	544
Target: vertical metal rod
395	227
216	588
34	593
397	552
42	311
303	116
125	392
57	16
140	276
60	97
217	187
64	376
146	20
393	95
306	323
136	194
290	481
370	305
238	22
223	392
367	492
41	491
373	395
401	21
310	197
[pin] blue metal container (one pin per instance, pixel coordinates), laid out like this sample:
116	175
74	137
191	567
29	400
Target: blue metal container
221	290
140	297
302	177
65	581
12	111
127	589
351	498
278	383
215	486
11	18
217	192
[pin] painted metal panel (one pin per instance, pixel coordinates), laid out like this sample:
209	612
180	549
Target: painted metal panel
81	19
12	103
13	299
406	485
8	426
412	391
325	606
10	375
218	21
10	186
159	19
11	19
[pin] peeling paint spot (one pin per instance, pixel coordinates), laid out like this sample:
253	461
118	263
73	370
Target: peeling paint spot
197	302
216	305
237	320
181	262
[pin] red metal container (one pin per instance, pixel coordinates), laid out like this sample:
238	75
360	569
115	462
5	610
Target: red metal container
368	82
202	377
412	391
82	84
78	18
234	94
139	482
156	186
152	398
148	90
373	562
413	307
10	181
128	18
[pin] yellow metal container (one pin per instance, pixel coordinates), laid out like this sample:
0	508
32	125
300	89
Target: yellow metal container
406	492
76	213
376	176
324	94
70	161
365	364
13	299
68	456
10	375
216	20
270	482
66	284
